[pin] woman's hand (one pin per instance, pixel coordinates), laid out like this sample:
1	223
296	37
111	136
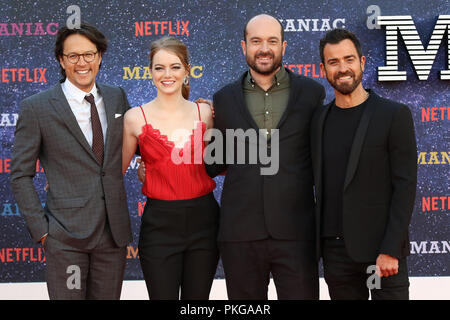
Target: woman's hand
141	170
208	102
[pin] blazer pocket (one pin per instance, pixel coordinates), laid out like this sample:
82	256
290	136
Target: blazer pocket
62	203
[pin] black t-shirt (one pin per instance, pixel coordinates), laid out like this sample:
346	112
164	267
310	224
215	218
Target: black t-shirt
339	129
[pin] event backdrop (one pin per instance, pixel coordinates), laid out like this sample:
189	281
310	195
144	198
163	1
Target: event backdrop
212	31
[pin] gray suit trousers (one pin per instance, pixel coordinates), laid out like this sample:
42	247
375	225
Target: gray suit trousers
76	274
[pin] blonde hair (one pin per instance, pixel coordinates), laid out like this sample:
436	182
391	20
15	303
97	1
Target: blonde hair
174	45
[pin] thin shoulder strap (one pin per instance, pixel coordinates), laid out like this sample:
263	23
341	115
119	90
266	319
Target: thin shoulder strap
143	114
198	108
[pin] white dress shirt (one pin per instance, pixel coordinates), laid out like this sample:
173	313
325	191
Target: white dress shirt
82	109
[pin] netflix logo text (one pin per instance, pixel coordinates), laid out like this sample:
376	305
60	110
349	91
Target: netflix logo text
170	28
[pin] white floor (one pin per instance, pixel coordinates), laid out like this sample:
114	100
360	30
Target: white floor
422	288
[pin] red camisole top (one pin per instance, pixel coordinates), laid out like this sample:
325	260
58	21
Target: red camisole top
173	173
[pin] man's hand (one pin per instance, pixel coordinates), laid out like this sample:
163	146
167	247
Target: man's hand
208	102
141	170
386	265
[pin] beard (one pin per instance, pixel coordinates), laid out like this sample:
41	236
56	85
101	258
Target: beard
265	69
346	88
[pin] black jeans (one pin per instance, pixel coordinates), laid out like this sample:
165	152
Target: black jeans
348	280
248	266
178	247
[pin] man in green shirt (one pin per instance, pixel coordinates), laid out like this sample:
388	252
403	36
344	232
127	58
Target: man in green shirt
267	221
267	106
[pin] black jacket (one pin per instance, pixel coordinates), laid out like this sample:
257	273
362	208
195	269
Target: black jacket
380	182
256	206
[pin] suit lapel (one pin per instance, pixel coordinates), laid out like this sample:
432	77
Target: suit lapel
357	143
318	146
238	94
110	111
293	94
59	103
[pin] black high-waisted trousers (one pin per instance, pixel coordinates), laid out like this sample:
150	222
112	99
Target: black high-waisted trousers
178	247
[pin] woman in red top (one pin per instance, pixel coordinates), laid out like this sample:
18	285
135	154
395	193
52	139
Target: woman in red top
177	241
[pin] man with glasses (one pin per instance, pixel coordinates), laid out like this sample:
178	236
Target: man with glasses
75	130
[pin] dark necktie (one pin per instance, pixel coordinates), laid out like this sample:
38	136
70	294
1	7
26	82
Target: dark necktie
97	133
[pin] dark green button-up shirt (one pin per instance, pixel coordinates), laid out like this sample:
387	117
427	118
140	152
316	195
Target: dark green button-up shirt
267	107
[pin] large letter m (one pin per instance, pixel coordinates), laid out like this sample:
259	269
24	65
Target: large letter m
422	59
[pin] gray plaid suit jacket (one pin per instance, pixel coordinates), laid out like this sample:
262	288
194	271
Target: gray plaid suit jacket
82	193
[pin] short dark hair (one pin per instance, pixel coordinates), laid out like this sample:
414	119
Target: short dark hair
87	30
337	35
281	27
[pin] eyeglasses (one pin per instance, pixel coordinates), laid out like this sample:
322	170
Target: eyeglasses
75	57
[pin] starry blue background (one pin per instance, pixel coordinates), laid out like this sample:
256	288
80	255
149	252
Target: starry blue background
215	30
